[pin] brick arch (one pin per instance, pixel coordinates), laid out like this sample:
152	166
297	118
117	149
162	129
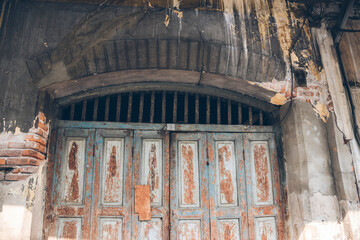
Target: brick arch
152	53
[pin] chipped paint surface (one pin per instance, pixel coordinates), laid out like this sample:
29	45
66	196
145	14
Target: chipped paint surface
69	228
152	168
322	110
229	229
112	171
227	173
73	172
262	173
205	163
189	229
189	173
150	230
278	99
110	228
265	228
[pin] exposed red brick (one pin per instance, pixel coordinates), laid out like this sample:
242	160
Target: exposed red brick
32	153
24	145
43	126
22	161
11	152
36	138
16	170
15	176
28	169
39	132
2	161
42	117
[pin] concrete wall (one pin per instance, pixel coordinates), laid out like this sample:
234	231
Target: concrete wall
21	207
321	187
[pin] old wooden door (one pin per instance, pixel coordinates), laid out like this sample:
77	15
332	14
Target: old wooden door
203	185
224	186
70	204
112	185
151	167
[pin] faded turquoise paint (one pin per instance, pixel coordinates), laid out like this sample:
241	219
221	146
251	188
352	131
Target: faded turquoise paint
186	207
166	127
70	205
237	211
213	215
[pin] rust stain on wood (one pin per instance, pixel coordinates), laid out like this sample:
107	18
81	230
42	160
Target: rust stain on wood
226	183
112	164
142	202
110	231
74	186
262	171
266	232
229	231
69	230
153	178
112	178
188	154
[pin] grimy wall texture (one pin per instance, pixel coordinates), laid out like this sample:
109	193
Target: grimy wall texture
281	54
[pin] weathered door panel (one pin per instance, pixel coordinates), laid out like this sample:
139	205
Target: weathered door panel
72	184
189	200
263	187
151	167
228	210
111	213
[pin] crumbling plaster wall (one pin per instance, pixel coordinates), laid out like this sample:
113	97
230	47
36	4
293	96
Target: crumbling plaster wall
321	186
54	42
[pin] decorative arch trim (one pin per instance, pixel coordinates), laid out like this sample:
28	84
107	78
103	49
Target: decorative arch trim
162	79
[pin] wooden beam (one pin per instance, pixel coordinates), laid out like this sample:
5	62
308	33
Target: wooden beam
334	80
344	16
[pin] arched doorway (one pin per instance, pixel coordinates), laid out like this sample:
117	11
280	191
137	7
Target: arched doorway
209	161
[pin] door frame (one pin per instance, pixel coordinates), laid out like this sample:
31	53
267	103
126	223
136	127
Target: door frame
170	127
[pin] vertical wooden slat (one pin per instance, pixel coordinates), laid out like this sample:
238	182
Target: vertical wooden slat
218	113
186	108
229	111
239	113
72	111
163	107
261	118
250	116
129	107
83	111
107	105
141	107
197	108
207	109
118	107
96	106
175	108
152	107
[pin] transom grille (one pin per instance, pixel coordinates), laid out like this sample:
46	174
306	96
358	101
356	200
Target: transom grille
165	107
